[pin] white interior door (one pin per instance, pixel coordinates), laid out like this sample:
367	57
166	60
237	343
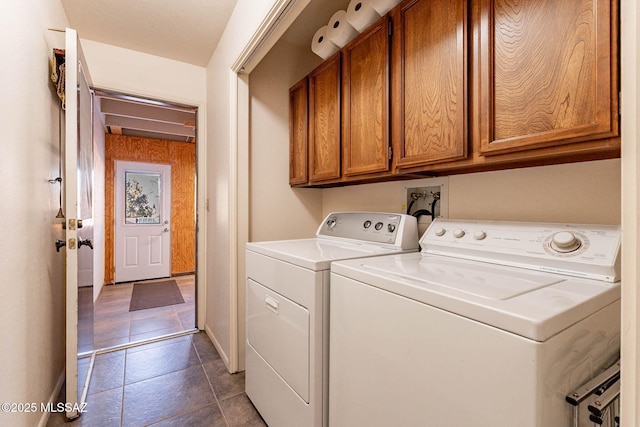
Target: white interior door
77	204
142	221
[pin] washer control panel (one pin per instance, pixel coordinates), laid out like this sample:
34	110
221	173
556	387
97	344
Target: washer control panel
573	249
374	227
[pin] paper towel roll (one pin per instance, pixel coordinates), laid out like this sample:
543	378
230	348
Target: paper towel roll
340	32
321	45
383	6
361	15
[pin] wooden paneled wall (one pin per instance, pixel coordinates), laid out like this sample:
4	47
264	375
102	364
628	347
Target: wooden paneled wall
182	158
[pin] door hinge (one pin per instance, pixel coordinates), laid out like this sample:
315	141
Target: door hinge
390	27
390	154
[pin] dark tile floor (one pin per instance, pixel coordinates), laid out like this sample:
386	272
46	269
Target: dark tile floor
114	324
175	382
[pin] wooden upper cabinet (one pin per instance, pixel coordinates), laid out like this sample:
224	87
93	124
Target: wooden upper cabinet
324	121
429	79
365	101
298	133
548	73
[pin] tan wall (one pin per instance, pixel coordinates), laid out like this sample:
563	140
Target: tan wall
587	192
32	288
182	157
277	211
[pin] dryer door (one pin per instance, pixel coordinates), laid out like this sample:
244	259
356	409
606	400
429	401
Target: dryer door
278	329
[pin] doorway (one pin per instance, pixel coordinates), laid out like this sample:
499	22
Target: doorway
142	221
154	143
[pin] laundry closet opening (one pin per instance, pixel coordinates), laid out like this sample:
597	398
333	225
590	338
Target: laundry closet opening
150	200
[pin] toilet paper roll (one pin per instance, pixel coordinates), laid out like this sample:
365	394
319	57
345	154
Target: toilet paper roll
340	32
361	15
383	6
321	45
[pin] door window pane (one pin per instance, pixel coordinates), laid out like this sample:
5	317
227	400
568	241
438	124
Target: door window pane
142	198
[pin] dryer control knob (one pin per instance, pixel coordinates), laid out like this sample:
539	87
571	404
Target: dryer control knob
458	233
440	232
479	235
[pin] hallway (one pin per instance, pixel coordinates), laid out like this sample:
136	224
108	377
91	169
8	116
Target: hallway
177	382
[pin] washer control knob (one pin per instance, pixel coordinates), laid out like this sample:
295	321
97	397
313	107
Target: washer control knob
458	233
565	241
479	235
391	228
367	224
440	232
379	226
331	223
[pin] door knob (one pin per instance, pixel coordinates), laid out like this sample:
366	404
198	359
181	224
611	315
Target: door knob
165	229
59	244
85	242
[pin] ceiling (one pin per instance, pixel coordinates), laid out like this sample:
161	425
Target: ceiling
132	116
182	30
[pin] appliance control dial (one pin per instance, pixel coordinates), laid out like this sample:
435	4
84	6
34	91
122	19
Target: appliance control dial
440	232
379	226
367	224
331	222
458	233
391	228
479	235
565	241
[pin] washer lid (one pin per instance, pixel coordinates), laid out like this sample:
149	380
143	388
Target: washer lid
531	304
480	280
317	254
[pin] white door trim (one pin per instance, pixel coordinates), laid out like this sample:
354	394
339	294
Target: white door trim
275	23
201	190
630	131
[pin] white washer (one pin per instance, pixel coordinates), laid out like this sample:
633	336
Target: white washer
287	310
491	324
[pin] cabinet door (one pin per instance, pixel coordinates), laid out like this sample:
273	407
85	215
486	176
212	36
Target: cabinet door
324	121
429	77
365	101
546	73
298	133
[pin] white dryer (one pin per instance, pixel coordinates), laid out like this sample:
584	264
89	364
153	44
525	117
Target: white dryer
491	324
287	357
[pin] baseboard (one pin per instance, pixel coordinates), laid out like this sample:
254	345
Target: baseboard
44	418
224	356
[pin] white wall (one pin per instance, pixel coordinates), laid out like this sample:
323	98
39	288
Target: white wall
136	73
31	272
98	204
223	303
630	392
